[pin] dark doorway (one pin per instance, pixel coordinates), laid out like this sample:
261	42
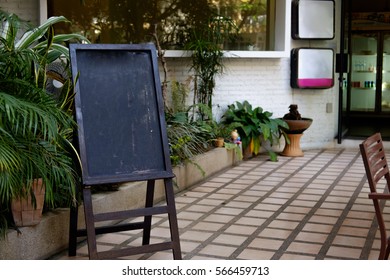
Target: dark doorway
365	87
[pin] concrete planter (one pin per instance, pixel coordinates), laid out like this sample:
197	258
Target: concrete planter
50	236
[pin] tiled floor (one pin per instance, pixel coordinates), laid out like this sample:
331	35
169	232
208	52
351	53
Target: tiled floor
311	207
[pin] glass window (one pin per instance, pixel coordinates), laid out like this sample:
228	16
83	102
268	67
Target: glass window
242	24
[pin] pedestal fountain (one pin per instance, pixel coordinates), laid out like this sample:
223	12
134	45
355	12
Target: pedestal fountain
297	125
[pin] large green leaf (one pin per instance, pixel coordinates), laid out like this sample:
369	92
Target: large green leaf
33	36
247	130
265	131
281	123
256	145
273	156
57	47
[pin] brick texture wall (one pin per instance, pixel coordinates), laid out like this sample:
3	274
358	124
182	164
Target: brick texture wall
25	9
265	82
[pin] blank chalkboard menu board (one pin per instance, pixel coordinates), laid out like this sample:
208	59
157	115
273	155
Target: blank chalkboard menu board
119	110
121	138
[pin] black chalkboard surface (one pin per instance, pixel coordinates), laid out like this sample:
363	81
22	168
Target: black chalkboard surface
120	113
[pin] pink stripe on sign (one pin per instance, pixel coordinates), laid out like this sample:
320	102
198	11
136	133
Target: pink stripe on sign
315	82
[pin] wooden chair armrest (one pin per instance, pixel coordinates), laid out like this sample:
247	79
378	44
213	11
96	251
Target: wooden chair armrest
379	195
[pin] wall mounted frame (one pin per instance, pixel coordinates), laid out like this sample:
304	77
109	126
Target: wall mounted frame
312	68
313	19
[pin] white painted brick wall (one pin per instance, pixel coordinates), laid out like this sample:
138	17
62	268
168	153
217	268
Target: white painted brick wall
25	9
265	82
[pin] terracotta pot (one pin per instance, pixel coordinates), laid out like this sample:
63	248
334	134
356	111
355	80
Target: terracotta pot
219	142
24	212
247	153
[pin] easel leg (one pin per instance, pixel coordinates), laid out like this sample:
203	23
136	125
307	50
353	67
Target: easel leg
90	224
148	219
173	226
73	230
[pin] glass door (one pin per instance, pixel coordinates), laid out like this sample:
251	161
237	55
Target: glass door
385	97
363	79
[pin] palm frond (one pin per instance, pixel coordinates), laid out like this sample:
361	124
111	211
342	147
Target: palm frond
35	128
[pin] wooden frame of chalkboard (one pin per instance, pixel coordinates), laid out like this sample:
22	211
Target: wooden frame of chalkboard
120	113
121	138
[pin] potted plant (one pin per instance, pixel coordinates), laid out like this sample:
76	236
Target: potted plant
206	46
35	128
187	137
255	128
221	133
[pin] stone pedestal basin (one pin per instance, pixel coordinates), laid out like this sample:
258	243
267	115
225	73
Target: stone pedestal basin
294	133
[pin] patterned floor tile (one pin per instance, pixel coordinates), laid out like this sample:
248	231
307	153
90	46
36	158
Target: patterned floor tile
311	207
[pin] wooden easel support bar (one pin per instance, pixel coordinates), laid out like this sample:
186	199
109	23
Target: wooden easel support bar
135	250
113	228
109	216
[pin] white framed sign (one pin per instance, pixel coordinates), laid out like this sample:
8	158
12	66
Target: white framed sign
313	19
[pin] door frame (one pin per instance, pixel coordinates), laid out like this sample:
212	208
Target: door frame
342	69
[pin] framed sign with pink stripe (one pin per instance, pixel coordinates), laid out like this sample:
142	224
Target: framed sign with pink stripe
312	68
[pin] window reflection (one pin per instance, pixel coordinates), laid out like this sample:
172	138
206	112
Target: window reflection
173	21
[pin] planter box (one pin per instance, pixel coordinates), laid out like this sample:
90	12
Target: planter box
50	236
